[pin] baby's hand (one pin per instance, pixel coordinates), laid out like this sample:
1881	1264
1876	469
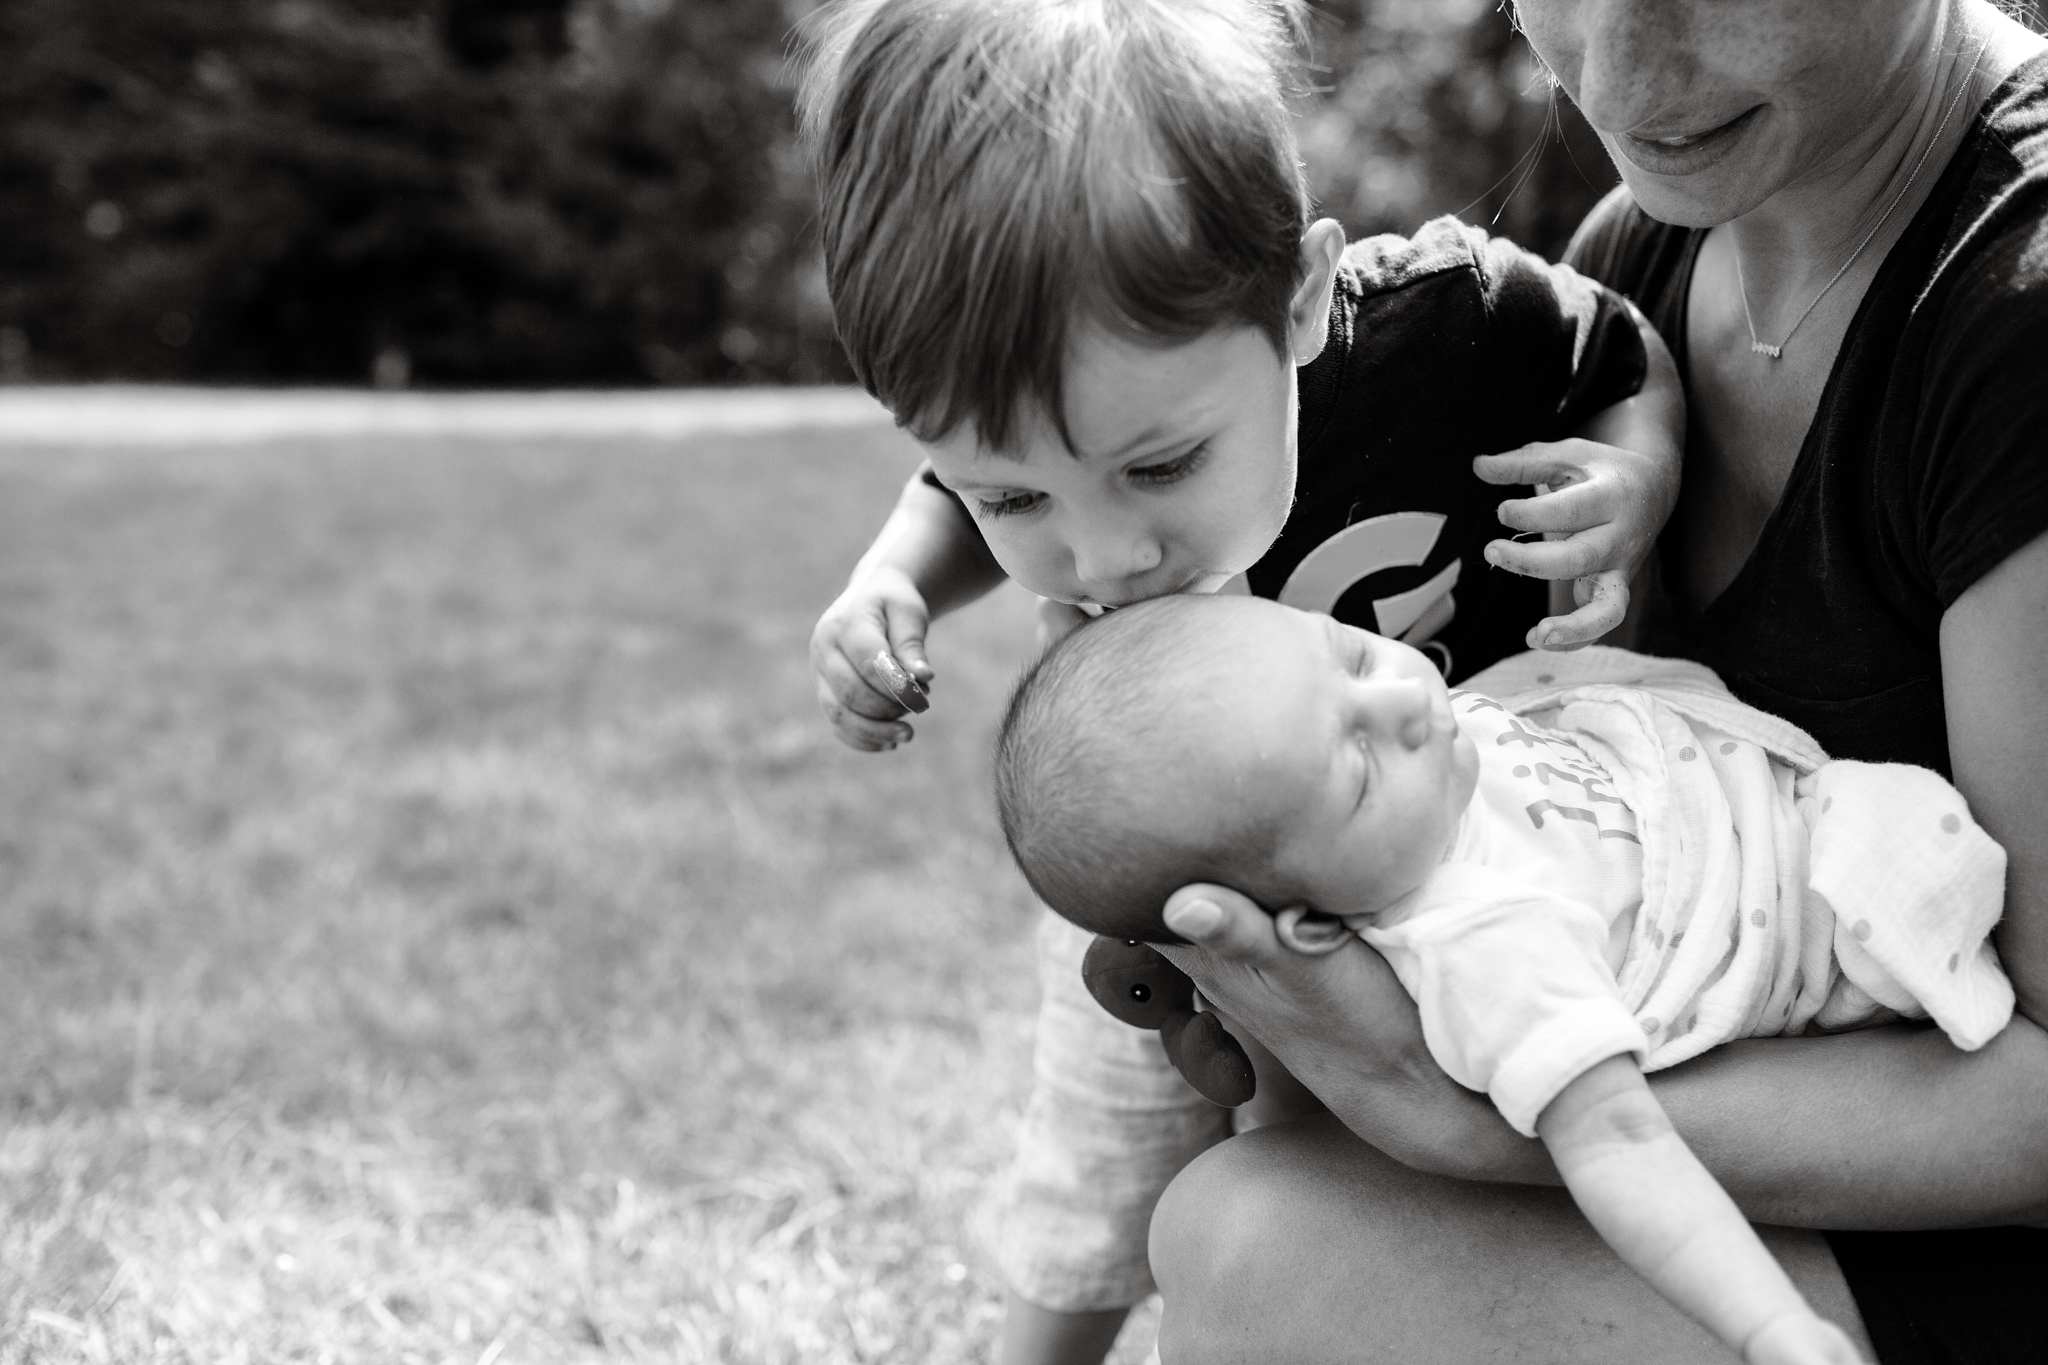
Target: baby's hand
868	653
1600	509
1802	1338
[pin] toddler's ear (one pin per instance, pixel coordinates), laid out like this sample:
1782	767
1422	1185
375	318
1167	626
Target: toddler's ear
1310	932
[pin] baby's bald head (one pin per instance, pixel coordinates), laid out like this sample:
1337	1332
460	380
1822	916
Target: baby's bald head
1105	785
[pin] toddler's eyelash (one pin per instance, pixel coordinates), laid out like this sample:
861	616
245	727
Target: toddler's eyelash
1173	470
1014	505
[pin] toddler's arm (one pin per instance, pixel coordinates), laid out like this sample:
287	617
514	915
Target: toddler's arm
1646	1193
927	560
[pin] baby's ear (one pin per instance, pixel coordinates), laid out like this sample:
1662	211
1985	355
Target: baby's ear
1310	932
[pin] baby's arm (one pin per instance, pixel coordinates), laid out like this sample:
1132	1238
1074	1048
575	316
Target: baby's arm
927	560
1646	1193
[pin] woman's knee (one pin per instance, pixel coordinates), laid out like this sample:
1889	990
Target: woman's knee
1233	1227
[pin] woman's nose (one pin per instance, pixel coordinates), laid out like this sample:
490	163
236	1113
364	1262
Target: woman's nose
1623	61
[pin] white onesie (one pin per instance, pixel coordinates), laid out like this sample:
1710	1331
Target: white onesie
1650	866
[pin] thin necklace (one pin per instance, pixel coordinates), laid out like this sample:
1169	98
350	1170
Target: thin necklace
1765	348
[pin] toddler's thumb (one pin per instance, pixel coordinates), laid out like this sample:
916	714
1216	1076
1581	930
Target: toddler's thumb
906	642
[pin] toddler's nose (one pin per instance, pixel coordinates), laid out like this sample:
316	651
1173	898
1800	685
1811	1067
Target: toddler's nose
1104	561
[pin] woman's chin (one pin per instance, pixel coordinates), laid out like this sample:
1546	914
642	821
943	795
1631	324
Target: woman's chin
1686	206
1704	199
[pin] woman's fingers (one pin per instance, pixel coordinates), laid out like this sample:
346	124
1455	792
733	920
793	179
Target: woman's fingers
1224	922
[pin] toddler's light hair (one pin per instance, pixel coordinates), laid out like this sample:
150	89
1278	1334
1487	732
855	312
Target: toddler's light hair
995	172
1085	754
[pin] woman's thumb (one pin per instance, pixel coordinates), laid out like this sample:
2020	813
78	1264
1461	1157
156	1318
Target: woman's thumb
1222	921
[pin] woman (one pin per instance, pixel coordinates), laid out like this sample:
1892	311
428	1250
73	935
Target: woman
1842	232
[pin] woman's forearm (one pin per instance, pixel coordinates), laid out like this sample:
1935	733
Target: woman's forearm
1888	1128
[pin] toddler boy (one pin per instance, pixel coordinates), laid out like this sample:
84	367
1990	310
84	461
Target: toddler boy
1616	869
1068	244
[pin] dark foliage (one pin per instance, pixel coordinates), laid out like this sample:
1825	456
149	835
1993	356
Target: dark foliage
468	191
566	191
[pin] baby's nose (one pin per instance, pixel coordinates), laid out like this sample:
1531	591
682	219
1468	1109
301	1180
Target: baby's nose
1400	709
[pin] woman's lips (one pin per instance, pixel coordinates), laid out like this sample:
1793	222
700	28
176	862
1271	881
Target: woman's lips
1686	154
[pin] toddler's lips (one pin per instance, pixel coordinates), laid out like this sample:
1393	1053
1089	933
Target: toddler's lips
907	690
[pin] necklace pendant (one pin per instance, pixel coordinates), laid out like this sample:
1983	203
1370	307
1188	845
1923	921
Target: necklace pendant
1765	348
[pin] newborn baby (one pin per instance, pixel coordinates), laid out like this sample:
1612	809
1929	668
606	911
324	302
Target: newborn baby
1585	881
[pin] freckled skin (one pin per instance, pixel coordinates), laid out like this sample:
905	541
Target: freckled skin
1681	67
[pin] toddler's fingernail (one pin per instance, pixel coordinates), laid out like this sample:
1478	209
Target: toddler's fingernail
1194	919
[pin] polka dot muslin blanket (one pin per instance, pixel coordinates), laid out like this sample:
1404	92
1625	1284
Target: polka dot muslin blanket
1782	892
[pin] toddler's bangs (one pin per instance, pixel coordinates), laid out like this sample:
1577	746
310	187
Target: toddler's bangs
997	173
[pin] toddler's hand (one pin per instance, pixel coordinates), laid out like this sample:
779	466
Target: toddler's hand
868	653
1600	511
1803	1338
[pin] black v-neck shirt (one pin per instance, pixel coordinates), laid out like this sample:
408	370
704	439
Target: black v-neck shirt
1926	464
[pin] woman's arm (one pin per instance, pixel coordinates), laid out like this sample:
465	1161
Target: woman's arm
1887	1128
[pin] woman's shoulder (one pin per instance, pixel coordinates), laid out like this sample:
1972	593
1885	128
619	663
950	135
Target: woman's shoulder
1996	236
1630	252
1990	281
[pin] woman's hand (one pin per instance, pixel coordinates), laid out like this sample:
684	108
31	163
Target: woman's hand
1342	1024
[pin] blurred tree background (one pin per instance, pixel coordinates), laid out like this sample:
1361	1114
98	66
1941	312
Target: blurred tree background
460	192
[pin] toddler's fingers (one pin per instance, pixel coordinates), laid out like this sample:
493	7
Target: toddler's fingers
1602	612
1540	462
861	732
1585	553
854	688
1576	507
906	626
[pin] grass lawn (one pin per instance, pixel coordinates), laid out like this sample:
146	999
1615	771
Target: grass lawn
435	924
